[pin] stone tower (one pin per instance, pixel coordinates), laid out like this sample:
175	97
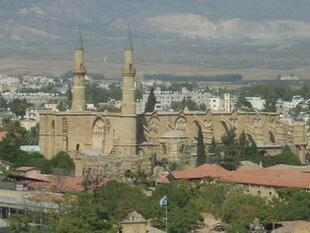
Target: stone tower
78	90
128	140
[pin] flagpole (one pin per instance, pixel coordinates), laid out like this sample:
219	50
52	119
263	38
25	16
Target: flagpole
167	216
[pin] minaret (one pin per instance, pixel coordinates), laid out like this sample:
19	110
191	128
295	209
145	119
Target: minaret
129	117
78	89
129	90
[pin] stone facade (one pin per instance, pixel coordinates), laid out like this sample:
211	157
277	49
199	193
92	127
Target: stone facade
113	143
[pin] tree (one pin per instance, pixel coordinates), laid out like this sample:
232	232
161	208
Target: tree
210	197
121	199
32	136
151	101
243	104
230	159
213	153
14	130
285	157
240	210
3	103
292	204
86	218
201	153
270	106
183	216
19	107
20	224
62	163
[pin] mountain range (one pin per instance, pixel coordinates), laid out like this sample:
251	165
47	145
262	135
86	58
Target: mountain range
257	38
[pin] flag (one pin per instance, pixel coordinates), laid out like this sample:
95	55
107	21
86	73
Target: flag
163	201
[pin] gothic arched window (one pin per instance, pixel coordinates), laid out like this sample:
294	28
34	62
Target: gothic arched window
180	123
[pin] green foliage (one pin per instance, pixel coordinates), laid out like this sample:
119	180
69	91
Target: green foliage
174	166
50	88
92	218
240	210
229	137
32	136
102	210
270	106
213	153
243	104
231	158
183	216
151	101
248	149
17	136
139	178
3	103
244	149
14	130
121	199
20	224
211	197
62	163
293	204
177	86
190	104
286	157
18	107
201	153
269	91
95	94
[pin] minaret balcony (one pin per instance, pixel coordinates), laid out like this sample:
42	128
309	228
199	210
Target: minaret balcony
79	71
129	72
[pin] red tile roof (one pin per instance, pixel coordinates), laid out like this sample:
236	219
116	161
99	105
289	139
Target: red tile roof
3	135
55	183
254	176
206	170
61	183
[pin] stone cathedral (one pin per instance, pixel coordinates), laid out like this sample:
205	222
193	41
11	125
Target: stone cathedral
105	143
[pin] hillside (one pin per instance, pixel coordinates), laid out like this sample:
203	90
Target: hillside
264	36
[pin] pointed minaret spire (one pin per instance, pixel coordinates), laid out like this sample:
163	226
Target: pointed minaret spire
130	39
79	71
79	42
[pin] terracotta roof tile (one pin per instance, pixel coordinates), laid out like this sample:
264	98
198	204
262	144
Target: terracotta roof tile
255	176
3	135
206	170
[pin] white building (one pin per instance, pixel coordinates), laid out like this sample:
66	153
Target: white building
51	107
166	98
257	102
288	105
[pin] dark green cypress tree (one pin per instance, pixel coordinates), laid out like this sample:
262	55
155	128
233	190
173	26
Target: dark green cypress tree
201	153
151	101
